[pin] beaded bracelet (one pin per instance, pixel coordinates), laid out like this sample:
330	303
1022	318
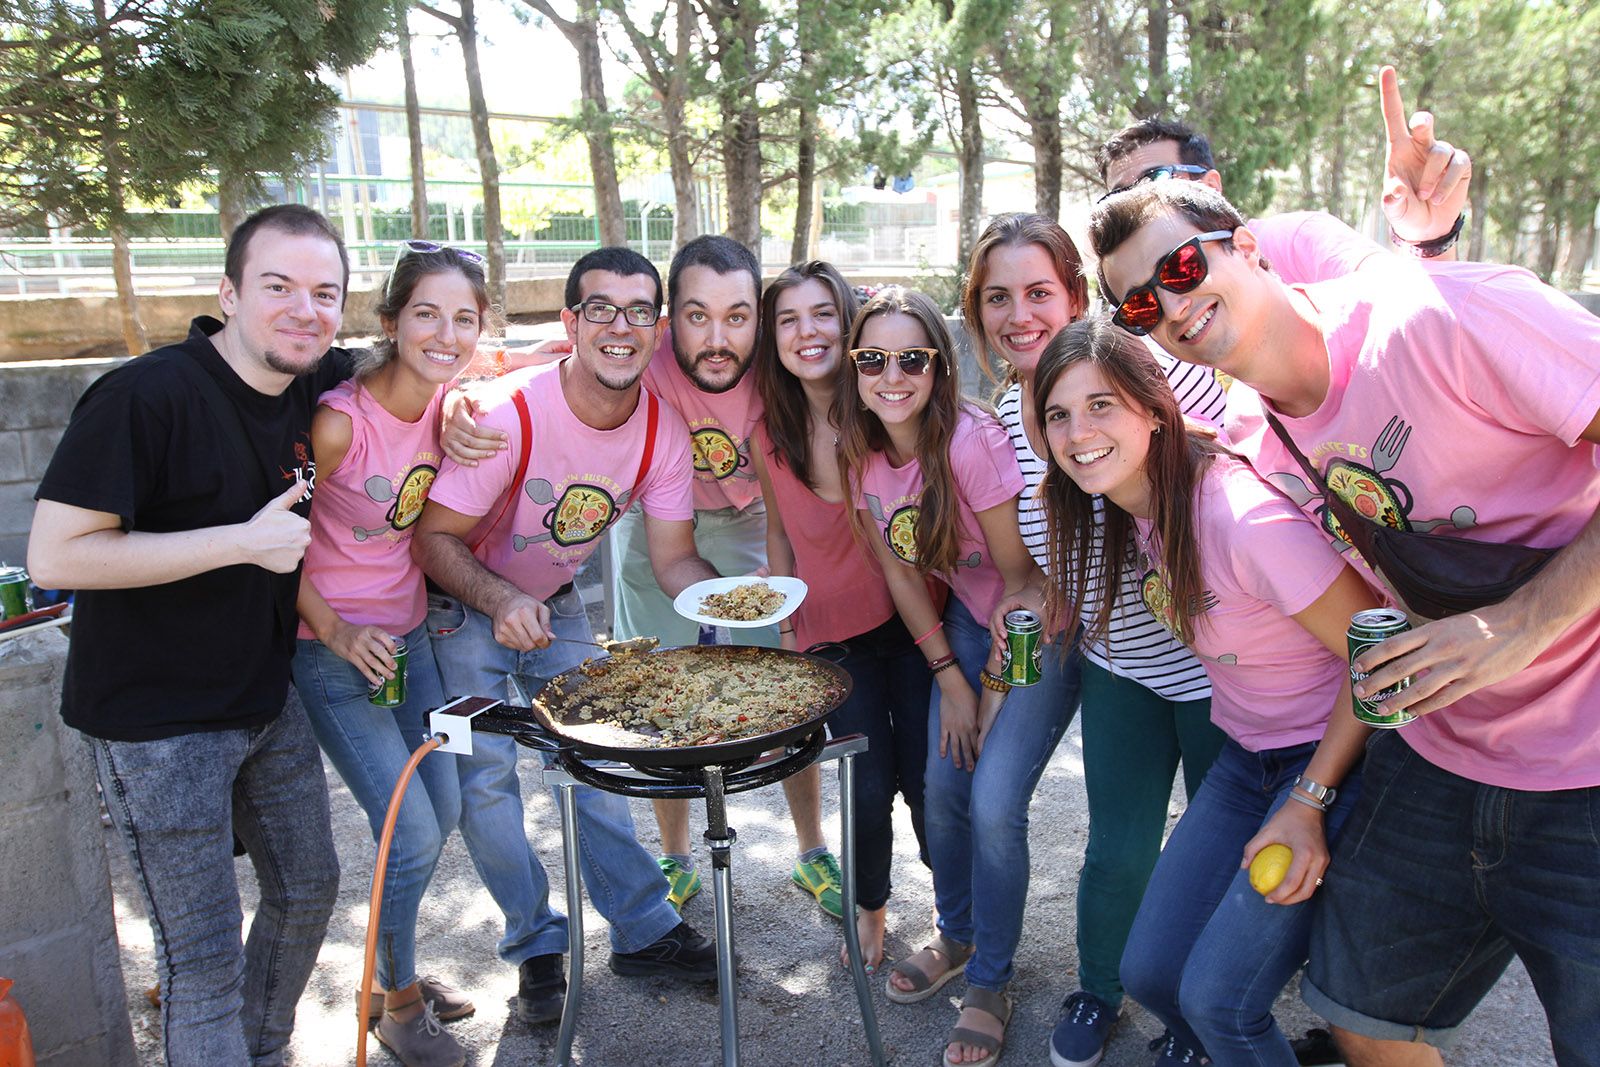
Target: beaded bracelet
993	682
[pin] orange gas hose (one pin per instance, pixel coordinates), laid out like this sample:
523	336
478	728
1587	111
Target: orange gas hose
375	907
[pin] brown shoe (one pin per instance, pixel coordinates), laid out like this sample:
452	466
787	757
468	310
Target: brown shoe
449	1003
422	1041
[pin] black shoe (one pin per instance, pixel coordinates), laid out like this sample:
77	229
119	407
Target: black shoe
1316	1049
682	954
541	989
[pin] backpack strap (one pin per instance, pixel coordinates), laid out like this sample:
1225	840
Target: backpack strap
525	420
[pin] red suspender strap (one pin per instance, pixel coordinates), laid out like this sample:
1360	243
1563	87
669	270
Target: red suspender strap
649	441
525	418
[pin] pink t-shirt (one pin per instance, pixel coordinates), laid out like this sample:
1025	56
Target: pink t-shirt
579	481
362	515
1458	395
720	425
986	474
846	593
1311	246
1273	685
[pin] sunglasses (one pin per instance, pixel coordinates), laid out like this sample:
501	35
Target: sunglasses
422	248
600	312
1179	271
872	362
1158	173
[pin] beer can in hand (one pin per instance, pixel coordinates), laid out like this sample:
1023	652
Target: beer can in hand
392	692
1022	660
1368	628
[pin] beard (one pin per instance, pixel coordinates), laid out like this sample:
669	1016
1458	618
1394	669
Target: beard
691	366
284	365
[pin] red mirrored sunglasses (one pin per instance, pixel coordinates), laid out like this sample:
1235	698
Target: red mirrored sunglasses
1180	271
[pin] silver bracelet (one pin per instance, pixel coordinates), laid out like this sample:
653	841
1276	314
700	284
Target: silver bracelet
1309	802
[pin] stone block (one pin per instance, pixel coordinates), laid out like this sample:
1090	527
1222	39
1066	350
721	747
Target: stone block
16	507
13	548
37	448
40	873
54	981
13	457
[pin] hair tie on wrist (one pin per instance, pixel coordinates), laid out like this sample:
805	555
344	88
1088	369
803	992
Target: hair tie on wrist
936	628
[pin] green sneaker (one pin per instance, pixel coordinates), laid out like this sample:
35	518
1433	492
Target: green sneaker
821	878
682	884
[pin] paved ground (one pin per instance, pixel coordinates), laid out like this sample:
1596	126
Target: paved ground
797	1005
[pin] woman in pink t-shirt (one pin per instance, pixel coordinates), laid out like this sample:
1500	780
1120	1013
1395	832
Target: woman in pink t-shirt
807	310
935	484
376	443
1238	574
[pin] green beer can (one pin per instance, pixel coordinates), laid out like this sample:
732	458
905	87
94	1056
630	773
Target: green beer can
15	596
1368	628
1023	657
392	693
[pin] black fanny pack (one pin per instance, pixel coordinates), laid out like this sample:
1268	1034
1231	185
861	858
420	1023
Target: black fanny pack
1435	574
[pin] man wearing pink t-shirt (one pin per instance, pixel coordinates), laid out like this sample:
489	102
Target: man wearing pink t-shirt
714	292
502	540
1462	399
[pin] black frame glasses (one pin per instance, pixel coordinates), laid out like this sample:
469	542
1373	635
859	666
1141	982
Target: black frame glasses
1160	172
914	362
604	312
1179	271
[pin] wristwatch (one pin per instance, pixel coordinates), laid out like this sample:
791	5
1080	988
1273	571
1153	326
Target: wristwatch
1318	792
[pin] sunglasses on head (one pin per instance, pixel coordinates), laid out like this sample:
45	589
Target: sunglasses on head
872	362
1159	173
1179	271
423	248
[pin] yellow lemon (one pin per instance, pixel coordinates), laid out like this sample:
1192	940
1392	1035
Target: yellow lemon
1269	867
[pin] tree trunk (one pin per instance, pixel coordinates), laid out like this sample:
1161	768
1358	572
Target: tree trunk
419	181
133	332
488	167
741	122
585	37
1575	252
686	207
971	213
805	181
1478	242
1044	130
1156	47
230	200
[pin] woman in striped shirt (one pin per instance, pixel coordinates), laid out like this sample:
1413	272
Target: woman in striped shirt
1146	700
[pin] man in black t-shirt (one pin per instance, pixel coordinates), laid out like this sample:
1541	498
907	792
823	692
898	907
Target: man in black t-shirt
176	505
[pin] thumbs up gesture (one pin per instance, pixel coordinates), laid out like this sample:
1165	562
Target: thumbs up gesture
275	537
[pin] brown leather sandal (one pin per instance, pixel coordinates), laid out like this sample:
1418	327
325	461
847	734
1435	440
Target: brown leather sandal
985	1000
923	984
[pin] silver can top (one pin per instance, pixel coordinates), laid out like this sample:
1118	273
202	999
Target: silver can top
1023	621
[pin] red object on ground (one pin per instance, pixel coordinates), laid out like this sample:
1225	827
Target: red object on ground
16	1047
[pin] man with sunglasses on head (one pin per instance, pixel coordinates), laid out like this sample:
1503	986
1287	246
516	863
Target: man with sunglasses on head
1450	399
701	371
502	541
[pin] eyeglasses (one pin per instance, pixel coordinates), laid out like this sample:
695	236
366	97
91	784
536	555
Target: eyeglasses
422	248
1180	271
1159	173
600	312
871	362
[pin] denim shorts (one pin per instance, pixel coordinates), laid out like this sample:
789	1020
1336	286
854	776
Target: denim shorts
1436	883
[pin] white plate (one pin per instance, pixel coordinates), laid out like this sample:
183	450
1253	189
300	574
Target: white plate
687	602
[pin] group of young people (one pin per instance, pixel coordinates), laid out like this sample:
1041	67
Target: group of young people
1194	579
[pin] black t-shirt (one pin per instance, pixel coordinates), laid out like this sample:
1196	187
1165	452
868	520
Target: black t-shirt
209	652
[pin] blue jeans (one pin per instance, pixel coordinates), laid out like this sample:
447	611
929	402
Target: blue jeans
178	802
1208	955
888	704
369	746
1438	881
622	878
978	819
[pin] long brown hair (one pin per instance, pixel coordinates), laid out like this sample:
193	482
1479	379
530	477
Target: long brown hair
1009	230
938	527
1173	468
788	416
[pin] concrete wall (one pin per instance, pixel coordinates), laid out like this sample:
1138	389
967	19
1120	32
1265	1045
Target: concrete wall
58	937
35	400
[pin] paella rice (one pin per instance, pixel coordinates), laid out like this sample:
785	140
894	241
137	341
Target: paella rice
743	603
